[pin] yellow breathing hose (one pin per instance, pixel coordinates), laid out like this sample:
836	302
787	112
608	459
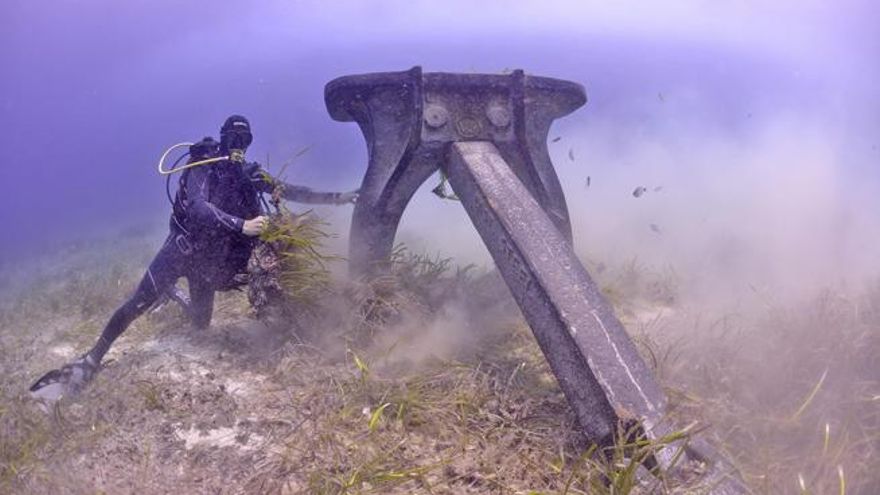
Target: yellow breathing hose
162	170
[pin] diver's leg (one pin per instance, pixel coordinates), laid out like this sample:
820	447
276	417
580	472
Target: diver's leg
164	270
201	302
160	277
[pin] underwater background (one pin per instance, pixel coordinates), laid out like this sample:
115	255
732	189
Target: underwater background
749	256
750	114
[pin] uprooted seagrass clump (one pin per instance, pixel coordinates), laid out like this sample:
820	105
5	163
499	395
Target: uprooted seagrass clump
288	268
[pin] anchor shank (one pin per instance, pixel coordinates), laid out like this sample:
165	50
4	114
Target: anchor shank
596	364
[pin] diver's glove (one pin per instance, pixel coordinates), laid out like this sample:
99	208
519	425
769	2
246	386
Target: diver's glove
347	197
68	380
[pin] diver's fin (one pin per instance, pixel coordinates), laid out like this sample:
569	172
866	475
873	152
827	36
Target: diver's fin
68	380
175	294
179	296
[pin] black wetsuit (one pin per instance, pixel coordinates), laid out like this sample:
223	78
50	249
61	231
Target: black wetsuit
206	244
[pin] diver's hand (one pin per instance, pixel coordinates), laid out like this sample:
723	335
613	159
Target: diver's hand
347	197
254	226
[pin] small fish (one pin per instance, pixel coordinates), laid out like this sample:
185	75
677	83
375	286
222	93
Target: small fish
571	154
658	188
588	182
655	228
660	96
639	191
556	139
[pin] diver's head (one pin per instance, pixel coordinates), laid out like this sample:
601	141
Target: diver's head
235	137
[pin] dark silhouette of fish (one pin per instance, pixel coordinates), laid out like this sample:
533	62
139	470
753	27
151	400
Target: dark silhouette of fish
571	154
639	191
588	182
556	139
655	228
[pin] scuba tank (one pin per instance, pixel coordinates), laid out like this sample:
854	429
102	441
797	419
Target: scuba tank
203	152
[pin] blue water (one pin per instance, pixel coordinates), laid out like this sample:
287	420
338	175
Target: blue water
92	92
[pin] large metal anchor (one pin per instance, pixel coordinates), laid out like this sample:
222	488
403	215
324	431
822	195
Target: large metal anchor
488	133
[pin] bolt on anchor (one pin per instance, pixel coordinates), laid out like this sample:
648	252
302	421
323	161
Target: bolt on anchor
488	135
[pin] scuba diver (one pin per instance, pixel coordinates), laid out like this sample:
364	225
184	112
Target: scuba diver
216	219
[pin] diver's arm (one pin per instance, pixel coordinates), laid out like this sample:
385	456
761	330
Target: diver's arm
300	194
202	211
